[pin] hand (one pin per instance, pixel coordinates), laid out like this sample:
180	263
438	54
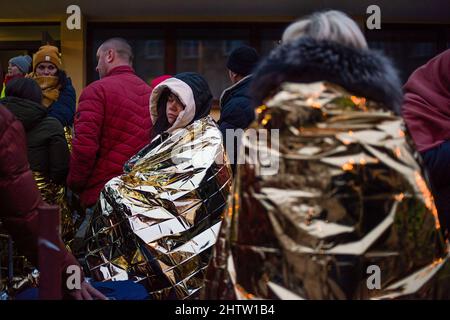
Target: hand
87	292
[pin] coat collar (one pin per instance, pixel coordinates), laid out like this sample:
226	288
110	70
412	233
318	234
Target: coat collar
238	84
365	73
120	70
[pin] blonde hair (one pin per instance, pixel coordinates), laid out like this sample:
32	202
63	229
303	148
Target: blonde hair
329	25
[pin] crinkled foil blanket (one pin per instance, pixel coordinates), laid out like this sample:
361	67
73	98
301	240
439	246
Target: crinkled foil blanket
25	275
336	208
22	275
55	194
157	223
69	136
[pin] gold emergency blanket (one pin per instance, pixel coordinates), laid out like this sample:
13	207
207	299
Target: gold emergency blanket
69	136
157	224
55	194
347	213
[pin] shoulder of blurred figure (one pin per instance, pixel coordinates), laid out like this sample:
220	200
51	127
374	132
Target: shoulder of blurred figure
54	123
6	119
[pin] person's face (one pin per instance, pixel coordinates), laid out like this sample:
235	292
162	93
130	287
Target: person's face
104	60
13	70
46	69
173	108
233	76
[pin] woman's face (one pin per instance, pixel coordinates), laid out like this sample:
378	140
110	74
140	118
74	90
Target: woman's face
46	69
13	70
173	108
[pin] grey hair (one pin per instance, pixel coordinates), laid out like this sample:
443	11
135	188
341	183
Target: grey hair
121	46
329	25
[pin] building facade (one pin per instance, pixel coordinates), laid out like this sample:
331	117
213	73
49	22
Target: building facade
198	35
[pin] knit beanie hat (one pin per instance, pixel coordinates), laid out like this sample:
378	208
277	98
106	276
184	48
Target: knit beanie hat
47	53
21	62
243	60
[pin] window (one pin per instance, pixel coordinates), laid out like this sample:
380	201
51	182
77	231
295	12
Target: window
25	39
230	45
148	46
409	46
190	49
170	48
154	49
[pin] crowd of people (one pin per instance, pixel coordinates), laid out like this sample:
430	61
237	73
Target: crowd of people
57	151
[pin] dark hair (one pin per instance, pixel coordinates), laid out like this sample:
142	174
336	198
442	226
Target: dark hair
24	88
243	60
162	123
62	78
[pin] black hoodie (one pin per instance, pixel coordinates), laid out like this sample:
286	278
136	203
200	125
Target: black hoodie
47	146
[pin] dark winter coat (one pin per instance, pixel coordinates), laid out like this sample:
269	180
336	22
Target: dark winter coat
46	144
236	111
63	108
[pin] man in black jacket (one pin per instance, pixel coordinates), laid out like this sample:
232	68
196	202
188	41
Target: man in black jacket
236	111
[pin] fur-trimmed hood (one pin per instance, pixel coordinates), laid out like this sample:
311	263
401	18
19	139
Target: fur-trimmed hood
365	73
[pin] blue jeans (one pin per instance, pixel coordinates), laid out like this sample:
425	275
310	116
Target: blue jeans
113	290
437	163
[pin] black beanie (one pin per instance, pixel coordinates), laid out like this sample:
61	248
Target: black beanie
243	60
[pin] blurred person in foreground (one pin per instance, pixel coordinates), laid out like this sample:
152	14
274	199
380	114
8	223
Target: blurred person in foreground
426	113
336	186
20	200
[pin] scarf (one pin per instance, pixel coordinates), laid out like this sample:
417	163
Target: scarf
50	88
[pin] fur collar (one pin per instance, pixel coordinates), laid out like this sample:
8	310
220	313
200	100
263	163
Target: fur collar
363	73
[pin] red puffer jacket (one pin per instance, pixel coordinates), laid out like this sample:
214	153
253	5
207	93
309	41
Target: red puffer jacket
112	123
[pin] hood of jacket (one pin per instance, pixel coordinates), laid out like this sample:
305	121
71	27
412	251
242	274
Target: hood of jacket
194	93
28	112
426	107
158	80
365	73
